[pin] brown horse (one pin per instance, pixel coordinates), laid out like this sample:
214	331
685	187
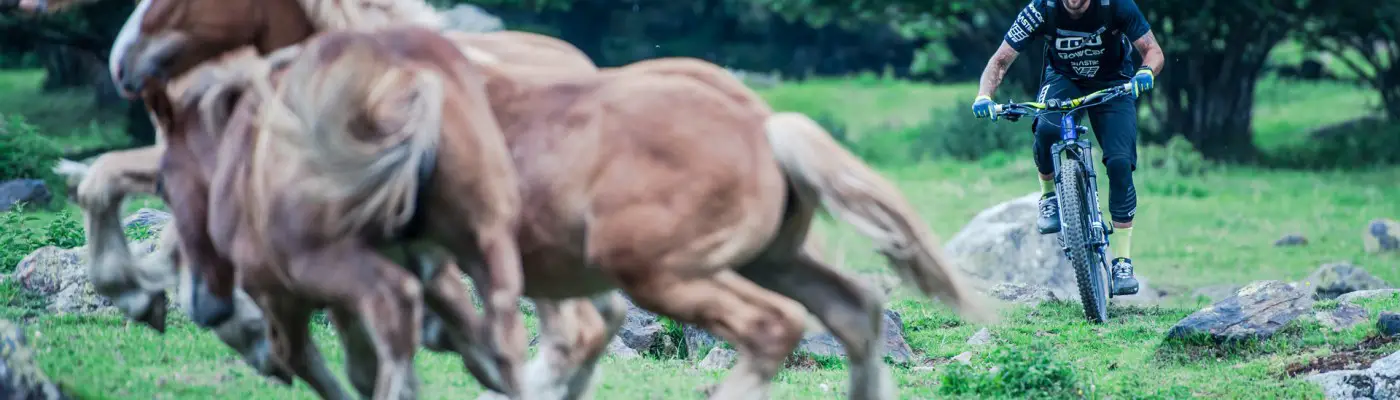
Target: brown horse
303	225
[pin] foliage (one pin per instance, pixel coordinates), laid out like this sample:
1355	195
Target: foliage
1360	143
21	238
26	154
1175	158
1031	372
1365	40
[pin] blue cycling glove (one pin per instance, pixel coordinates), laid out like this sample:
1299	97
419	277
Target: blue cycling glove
982	107
1142	81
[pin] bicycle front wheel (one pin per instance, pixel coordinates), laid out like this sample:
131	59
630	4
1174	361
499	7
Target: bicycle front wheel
1091	277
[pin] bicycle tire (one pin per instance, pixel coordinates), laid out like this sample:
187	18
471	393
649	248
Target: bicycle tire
1091	278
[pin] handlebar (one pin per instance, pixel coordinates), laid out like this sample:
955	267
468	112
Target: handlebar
1013	111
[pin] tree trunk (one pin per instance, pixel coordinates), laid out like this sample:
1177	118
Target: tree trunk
138	124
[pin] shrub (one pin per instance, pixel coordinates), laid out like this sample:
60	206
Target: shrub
952	132
26	154
23	235
1176	158
1032	372
1360	143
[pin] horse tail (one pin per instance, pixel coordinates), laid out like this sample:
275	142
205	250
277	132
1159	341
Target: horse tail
824	173
365	128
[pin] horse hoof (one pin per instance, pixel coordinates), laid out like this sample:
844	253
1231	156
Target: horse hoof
155	313
209	310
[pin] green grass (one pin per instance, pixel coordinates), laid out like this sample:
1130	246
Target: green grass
70	117
1219	231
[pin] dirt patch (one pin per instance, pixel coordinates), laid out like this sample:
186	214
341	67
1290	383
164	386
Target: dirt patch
1357	357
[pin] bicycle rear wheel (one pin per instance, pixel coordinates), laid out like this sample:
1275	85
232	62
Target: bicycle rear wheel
1089	273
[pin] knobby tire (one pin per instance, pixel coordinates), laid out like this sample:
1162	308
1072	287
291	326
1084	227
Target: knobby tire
1074	230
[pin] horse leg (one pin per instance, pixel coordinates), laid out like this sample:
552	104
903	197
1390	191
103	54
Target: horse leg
114	175
137	289
764	326
852	312
459	324
386	297
360	361
573	335
290	336
493	263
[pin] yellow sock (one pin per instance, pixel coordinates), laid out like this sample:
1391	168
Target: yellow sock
1122	243
1047	186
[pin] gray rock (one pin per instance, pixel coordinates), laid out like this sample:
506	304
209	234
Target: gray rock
1291	240
964	358
1216	292
1021	293
470	18
1381	381
719	358
620	350
1002	245
1346	315
896	348
20	375
641	330
1388	323
148	218
1381	235
32	192
981	338
1256	312
1367	294
697	340
1335	279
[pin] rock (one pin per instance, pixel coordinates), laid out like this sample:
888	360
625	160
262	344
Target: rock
60	276
150	219
982	337
697	339
1022	293
32	192
1335	279
20	375
1002	245
1257	311
826	344
1381	235
641	330
965	358
620	350
719	358
1381	381
1346	315
471	19
1216	292
1291	240
1367	294
1388	323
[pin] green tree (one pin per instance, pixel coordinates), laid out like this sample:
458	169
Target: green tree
1363	38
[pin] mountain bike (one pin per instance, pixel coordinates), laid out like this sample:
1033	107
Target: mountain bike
1083	231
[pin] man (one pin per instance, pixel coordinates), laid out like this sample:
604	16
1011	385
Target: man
1086	50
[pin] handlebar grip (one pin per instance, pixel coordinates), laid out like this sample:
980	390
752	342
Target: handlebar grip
997	109
1127	87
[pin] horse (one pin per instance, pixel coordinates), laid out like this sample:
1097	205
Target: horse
390	105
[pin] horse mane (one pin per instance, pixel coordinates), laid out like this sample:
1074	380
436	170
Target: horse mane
330	15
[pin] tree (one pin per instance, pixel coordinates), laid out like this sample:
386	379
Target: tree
1215	51
1363	38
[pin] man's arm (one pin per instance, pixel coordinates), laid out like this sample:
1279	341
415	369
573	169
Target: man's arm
1152	56
996	69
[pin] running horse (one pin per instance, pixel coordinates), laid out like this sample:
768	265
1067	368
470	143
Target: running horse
693	202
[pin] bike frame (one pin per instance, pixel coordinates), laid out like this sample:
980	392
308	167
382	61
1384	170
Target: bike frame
1081	150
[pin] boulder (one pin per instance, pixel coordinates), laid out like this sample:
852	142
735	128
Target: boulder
1333	280
1255	312
719	358
20	375
1002	245
1021	293
32	192
1368	294
1380	381
472	19
822	343
1345	315
1381	235
641	329
1388	323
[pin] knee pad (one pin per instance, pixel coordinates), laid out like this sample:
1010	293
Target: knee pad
1119	163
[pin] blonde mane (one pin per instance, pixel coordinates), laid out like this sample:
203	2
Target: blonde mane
330	15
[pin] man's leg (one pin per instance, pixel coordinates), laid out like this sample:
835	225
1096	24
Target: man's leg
1047	132
1115	127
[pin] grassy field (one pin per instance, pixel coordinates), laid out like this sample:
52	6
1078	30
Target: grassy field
1192	231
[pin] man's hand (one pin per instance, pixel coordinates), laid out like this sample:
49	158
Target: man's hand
1142	81
982	107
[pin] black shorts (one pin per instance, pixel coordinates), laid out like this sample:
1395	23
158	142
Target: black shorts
1114	122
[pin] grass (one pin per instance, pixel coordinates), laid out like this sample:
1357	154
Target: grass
69	117
1218	232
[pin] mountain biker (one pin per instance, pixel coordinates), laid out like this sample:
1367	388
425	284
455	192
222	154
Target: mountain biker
1086	49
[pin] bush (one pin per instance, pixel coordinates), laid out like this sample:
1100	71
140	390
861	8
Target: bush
949	132
1360	143
1032	372
23	234
26	154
